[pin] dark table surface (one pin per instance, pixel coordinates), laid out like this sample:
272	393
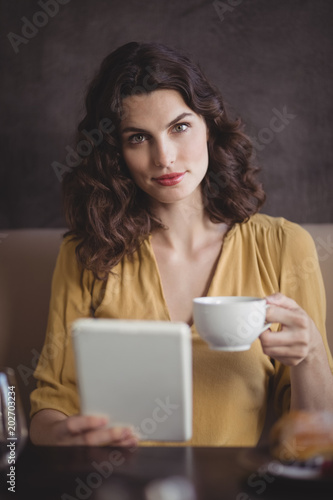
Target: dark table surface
104	473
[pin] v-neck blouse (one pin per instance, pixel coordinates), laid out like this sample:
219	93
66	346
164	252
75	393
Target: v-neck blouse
230	390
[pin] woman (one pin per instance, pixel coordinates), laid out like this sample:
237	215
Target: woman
163	208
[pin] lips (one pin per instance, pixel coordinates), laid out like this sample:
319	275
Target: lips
170	179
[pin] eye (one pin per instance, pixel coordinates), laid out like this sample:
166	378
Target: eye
137	138
181	127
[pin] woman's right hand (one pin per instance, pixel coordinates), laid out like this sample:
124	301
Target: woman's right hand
52	427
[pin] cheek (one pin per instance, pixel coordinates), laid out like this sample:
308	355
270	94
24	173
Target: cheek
198	148
135	161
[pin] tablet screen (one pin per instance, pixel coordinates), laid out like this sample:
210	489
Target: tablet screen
137	372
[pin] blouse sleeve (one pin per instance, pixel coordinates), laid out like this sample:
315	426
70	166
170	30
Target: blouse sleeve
70	299
302	281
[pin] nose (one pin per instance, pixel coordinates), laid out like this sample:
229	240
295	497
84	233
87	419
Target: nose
163	153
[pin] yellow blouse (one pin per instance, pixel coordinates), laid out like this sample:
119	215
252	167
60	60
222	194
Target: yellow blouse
230	390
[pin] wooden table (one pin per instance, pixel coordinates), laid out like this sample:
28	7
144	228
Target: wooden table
104	473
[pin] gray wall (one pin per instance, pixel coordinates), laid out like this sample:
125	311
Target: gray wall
267	56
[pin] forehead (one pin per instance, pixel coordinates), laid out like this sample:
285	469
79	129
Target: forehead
159	105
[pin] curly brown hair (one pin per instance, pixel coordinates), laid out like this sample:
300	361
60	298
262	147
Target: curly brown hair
106	212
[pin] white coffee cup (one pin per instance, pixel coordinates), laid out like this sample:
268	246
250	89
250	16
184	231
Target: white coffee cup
230	323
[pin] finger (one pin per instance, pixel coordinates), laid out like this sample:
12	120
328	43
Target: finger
110	436
282	338
281	300
129	443
121	434
285	355
291	341
77	424
294	318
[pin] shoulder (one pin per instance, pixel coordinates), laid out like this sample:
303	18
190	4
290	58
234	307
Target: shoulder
276	228
263	221
275	236
68	267
67	252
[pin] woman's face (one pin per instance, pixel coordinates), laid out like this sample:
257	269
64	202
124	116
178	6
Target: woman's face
164	145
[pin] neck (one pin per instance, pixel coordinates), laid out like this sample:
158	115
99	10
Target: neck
188	226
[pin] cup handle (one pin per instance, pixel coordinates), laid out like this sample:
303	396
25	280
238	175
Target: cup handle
266	325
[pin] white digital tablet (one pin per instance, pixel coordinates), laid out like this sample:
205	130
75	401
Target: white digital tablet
137	372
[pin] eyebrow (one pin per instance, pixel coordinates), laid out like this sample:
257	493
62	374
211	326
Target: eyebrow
141	130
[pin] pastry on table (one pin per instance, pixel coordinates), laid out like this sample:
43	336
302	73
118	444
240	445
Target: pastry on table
302	435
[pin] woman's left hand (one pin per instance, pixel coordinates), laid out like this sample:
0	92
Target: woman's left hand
298	339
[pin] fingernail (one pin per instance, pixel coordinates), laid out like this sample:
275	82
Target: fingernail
102	420
132	443
125	433
135	433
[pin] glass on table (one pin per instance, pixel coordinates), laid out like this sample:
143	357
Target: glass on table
13	427
170	488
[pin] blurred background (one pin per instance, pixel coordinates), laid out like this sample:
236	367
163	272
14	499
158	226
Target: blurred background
271	59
